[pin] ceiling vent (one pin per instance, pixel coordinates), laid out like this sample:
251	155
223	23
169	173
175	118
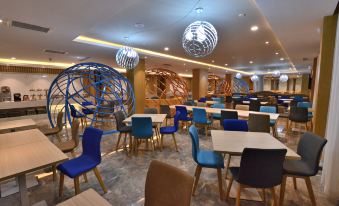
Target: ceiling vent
84	59
27	26
55	51
305	59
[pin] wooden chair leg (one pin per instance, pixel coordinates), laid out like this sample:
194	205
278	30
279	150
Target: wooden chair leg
117	146
54	172
85	177
295	183
196	178
61	184
228	165
76	185
229	188
237	201
97	174
175	142
282	190
221	191
264	195
274	198
310	190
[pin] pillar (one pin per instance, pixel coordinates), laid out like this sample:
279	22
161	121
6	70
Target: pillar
138	81
313	75
229	82
258	86
199	83
325	74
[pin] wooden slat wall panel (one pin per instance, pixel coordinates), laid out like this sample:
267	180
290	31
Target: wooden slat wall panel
36	70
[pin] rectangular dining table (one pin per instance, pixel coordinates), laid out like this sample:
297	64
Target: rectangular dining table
15	125
86	198
26	151
156	118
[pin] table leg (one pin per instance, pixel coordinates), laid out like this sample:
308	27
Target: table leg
23	190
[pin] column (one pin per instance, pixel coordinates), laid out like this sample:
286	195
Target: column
199	83
137	79
304	84
258	86
323	81
229	82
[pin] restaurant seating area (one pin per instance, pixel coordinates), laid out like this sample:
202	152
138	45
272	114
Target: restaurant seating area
162	103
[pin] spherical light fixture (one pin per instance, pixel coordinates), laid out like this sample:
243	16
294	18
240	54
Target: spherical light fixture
199	39
283	78
238	76
127	58
254	78
276	73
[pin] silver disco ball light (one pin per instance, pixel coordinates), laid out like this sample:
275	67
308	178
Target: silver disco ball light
254	78
127	58
199	39
283	78
276	73
238	76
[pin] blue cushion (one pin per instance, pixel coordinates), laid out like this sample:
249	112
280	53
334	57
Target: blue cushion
185	119
167	130
77	166
210	159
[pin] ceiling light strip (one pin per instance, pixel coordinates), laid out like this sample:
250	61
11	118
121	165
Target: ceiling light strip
102	43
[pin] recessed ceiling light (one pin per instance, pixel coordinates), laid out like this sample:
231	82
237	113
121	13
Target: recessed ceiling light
13	58
212	61
73	63
166	49
282	59
254	28
226	64
251	62
44	76
184	64
186	70
199	10
267	42
1	20
209	68
139	25
241	15
277	53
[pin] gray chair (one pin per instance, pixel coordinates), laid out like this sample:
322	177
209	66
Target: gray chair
165	109
254	105
259	168
228	115
259	123
309	148
297	115
122	128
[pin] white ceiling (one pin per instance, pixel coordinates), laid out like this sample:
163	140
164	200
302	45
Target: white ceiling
289	25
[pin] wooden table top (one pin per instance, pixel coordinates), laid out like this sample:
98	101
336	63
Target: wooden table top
86	198
248	102
156	118
234	142
26	151
207	102
241	113
22	124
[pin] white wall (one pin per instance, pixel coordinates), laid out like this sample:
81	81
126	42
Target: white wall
267	84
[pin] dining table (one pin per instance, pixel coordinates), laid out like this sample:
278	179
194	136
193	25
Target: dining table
16	125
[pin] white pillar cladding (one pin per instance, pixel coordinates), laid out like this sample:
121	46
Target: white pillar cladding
258	86
330	175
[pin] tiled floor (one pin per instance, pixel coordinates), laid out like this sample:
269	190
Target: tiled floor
124	176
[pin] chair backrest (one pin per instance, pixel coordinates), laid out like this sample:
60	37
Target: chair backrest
202	99
150	111
165	109
268	109
254	105
189	103
293	103
216	99
259	123
182	110
73	110
298	114
167	185
142	127
199	115
304	104
242	107
229	115
261	168
201	104
235	125
59	120
176	120
218	105
228	99
310	148
119	118
91	143
86	103
195	142
75	132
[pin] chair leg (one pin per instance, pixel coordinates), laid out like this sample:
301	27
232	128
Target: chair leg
61	184
85	177
228	165
229	188
117	146
237	202
175	142
274	198
162	142
196	178
282	190
54	172
264	195
76	185
310	190
97	174
295	183
221	191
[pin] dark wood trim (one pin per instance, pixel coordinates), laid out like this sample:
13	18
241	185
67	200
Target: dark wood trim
36	70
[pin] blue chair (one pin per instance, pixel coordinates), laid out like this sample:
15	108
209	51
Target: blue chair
202	99
309	114
171	130
183	117
88	160
77	115
141	130
85	110
200	119
270	109
216	99
205	158
219	106
235	125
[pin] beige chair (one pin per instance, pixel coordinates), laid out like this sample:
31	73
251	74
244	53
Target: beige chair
242	107
167	185
259	123
55	130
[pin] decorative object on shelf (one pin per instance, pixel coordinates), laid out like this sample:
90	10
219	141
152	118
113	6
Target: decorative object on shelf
238	76
276	73
108	91
254	78
127	57
199	39
17	97
5	94
283	78
240	86
164	87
